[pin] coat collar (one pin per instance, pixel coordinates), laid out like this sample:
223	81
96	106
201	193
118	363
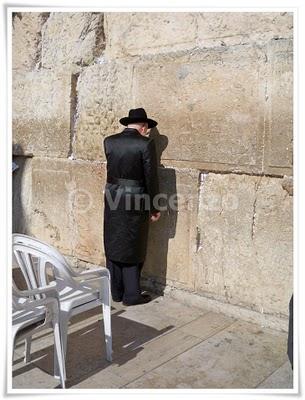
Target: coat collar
131	131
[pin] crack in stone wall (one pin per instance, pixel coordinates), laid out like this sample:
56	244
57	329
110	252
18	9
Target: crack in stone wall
257	186
266	119
73	114
38	55
96	25
261	174
100	40
198	239
201	178
72	207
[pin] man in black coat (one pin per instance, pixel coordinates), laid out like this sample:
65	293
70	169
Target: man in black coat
130	202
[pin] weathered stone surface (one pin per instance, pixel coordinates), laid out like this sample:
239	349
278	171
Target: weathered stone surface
233	28
273	244
280	379
240	356
202	301
67	206
172	238
72	38
279	133
210	105
140	33
26	40
104	96
207	325
224	216
166	347
164	314
41	113
167	32
287	184
202	350
245	252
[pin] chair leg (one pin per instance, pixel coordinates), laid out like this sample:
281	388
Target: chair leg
64	321
13	344
106	298
27	350
60	357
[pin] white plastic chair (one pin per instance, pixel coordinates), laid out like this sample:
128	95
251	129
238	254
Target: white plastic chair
32	316
78	292
46	247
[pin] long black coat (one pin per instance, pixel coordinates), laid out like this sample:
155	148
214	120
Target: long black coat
129	156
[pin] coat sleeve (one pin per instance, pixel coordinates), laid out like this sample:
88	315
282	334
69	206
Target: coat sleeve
104	146
150	166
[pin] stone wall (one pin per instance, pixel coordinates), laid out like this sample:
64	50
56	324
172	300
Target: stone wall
220	86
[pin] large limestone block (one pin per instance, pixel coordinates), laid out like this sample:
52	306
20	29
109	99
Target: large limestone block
26	40
273	238
244	255
41	113
209	104
279	133
140	33
104	96
67	206
172	238
72	38
232	28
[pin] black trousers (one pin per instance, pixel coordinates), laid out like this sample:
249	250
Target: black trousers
125	280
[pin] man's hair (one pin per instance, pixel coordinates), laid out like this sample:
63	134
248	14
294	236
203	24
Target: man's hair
137	124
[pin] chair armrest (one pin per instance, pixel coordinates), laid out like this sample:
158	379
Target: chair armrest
51	301
95	272
49	289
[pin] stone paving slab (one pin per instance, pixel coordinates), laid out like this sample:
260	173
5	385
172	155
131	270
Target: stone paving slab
163	344
282	378
137	361
240	356
207	325
162	312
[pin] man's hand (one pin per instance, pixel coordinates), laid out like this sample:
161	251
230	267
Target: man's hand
155	216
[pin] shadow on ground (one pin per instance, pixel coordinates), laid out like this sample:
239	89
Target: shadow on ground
86	353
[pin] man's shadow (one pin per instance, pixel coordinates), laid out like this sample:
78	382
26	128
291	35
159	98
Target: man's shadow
155	267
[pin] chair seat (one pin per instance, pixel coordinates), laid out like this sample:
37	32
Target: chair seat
78	297
28	317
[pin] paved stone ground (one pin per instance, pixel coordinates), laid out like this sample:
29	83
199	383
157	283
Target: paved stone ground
162	344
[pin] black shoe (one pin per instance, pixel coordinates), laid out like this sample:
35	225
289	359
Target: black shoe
116	300
143	299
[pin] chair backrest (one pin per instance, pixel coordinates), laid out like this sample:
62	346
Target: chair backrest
35	274
39	244
15	299
20	302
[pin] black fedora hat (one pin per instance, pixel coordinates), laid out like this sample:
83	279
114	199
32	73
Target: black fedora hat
138	115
